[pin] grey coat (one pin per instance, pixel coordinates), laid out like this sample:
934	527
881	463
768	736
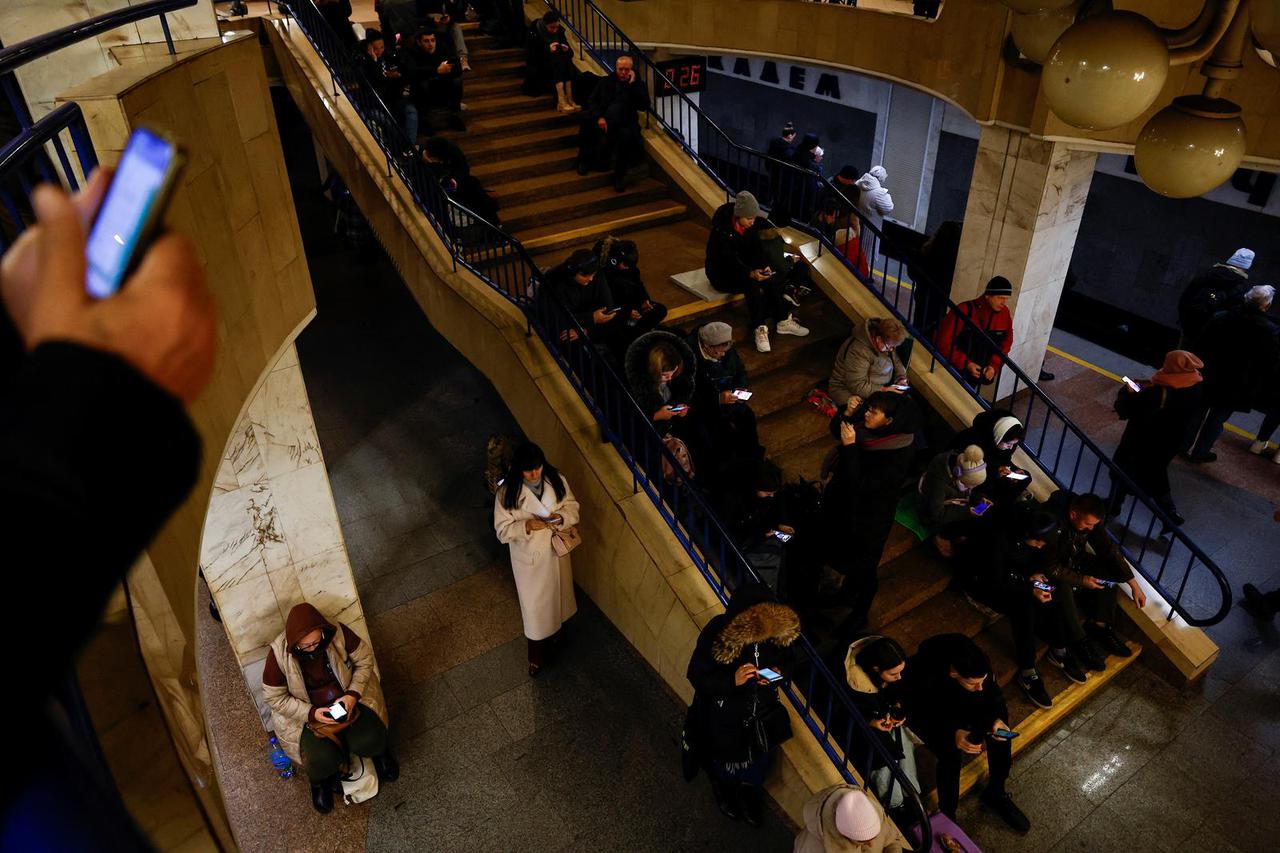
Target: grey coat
861	369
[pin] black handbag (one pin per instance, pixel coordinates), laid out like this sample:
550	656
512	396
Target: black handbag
770	727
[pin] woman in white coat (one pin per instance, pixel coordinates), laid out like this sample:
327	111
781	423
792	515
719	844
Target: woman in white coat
534	501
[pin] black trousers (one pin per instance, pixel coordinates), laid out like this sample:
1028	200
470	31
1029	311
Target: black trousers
619	147
1053	621
764	298
856	543
999	762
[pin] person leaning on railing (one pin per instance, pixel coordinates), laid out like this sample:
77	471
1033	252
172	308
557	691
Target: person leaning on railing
962	344
96	452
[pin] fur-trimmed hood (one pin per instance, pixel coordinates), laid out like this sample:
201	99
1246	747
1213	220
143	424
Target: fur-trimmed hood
765	622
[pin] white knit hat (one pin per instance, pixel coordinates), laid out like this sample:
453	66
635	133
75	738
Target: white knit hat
879	173
856	817
1003	426
1243	259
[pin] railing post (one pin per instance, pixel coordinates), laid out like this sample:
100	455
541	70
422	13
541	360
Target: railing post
168	36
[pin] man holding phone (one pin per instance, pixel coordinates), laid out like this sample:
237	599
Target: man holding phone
610	130
326	700
720	382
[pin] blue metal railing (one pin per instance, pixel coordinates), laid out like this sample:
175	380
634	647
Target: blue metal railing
1165	556
500	260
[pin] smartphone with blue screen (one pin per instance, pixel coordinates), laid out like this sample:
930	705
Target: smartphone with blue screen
132	210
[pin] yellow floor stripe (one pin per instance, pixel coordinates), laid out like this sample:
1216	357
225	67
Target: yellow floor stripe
1116	378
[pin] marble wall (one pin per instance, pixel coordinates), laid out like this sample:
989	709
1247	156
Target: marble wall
272	538
43	79
1025	203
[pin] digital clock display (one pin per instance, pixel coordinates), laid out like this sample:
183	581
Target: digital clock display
688	73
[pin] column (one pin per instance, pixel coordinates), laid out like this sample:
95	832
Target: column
1025	203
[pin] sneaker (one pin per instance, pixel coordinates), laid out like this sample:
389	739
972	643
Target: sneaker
1202	458
789	326
1259	447
1105	637
1067	663
1255	604
792	298
1003	805
762	339
1034	688
1275	457
1088	657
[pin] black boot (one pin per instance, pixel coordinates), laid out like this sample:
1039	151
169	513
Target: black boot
727	799
387	766
752	803
322	794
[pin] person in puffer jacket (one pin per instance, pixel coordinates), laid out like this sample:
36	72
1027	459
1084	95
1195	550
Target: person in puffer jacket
845	819
875	201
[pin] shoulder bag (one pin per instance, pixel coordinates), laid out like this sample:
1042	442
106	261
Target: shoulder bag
564	541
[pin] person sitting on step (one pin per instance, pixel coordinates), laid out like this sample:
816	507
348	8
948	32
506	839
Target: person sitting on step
791	269
382	68
312	667
1006	568
610	130
549	62
620	268
868	361
575	286
448	165
436	78
1088	560
955	704
733	265
446	17
945	498
722	408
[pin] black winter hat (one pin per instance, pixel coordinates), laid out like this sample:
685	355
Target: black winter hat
999	286
583	261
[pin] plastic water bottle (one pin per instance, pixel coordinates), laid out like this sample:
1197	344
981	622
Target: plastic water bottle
280	761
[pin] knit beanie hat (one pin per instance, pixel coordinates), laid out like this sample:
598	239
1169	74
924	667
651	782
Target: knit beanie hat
972	466
788	128
856	817
847	173
583	261
745	205
999	286
879	173
1243	258
1003	426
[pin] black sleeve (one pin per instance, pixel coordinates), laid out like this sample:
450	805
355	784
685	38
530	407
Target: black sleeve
708	677
93	459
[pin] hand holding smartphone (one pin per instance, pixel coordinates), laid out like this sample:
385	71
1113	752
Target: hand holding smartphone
742	394
770	676
1132	386
337	711
131	210
981	507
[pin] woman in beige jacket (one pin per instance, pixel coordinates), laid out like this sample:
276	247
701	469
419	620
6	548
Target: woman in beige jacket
533	502
846	819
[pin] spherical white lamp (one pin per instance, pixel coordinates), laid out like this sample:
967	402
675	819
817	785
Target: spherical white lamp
1190	146
1106	70
1035	34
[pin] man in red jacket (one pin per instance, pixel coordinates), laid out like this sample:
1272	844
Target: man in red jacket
959	342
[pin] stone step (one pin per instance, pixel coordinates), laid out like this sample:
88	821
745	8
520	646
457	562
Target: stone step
490	52
499	148
588	229
481	87
544	118
488	68
515	169
553	184
558	208
783	388
906	583
806	461
947	612
504	103
793	427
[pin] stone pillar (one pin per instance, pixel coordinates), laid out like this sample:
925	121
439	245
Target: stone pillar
1025	203
272	538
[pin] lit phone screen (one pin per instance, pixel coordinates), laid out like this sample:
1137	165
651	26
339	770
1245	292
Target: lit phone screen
133	192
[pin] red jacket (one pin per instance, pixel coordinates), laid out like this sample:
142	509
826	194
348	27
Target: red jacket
953	335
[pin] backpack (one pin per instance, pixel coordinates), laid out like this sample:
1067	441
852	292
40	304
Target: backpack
680	451
360	782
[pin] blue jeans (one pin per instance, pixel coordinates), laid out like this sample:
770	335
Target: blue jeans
1215	422
411	120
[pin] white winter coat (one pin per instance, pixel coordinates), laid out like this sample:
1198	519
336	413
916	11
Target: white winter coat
544	582
875	201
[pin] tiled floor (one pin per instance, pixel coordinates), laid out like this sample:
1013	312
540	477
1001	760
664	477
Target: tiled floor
584	758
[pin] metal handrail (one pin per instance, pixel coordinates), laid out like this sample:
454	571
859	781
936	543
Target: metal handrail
800	189
502	262
23	165
33	48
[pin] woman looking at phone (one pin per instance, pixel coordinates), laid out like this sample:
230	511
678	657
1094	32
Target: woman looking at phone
533	503
734	672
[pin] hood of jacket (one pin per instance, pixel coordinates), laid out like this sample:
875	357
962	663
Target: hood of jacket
636	363
855	675
761	622
867	183
303	619
820	820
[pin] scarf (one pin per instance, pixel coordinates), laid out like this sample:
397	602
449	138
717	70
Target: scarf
1181	370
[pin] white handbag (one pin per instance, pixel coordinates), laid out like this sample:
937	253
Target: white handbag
360	783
